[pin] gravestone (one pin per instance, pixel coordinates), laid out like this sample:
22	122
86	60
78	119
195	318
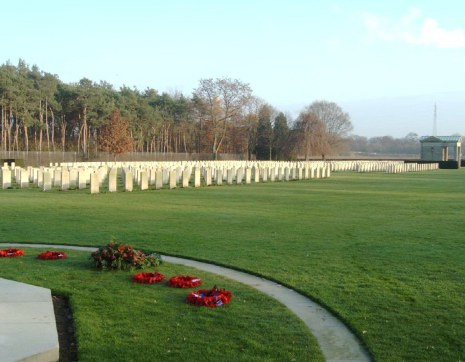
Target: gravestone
112	180
24	178
128	181
219	176
57	177
47	181
73	178
159	179
144	180
185	177
173	177
6	178
197	177
64	180
82	179
94	183
208	176
248	175
230	176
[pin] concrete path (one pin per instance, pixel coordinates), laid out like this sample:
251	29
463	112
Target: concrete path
336	341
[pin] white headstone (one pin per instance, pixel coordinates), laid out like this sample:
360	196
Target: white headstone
6	178
47	181
128	181
94	183
112	180
197	177
144	180
173	177
64	180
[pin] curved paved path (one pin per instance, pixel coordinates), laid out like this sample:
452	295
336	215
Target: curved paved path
336	341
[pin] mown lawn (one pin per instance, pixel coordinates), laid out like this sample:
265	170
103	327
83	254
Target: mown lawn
384	251
117	320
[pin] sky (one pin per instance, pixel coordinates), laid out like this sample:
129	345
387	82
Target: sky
386	63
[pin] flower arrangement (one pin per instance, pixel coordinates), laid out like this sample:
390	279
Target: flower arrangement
52	255
11	253
212	298
148	278
184	281
116	256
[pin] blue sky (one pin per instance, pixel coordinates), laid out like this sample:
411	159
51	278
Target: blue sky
385	62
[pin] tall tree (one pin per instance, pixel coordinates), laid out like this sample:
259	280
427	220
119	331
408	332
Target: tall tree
336	122
223	101
310	133
281	137
115	137
264	133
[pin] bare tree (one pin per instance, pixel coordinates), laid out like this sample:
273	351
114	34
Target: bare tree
336	122
311	135
223	101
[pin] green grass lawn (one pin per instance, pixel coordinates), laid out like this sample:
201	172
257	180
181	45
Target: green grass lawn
385	252
117	320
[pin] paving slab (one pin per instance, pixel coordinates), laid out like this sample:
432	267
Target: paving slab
27	323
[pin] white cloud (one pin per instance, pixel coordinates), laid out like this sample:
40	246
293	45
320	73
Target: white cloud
412	29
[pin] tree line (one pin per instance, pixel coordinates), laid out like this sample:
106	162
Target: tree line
39	112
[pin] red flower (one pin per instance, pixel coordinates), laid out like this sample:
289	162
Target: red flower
148	278
184	281
212	298
52	255
11	252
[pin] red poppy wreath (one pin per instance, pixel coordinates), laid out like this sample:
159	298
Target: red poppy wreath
214	297
148	278
184	281
52	255
11	253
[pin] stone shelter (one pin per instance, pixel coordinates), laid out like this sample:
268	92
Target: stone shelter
441	148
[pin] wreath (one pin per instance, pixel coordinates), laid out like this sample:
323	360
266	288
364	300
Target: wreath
184	281
148	278
11	253
214	297
52	255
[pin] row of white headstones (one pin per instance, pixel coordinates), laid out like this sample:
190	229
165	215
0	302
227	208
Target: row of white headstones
157	175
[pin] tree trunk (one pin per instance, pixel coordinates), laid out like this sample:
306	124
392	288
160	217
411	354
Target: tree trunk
26	138
41	123
84	131
46	126
53	129
63	133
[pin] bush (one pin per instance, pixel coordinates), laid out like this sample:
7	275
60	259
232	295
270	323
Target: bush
116	256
